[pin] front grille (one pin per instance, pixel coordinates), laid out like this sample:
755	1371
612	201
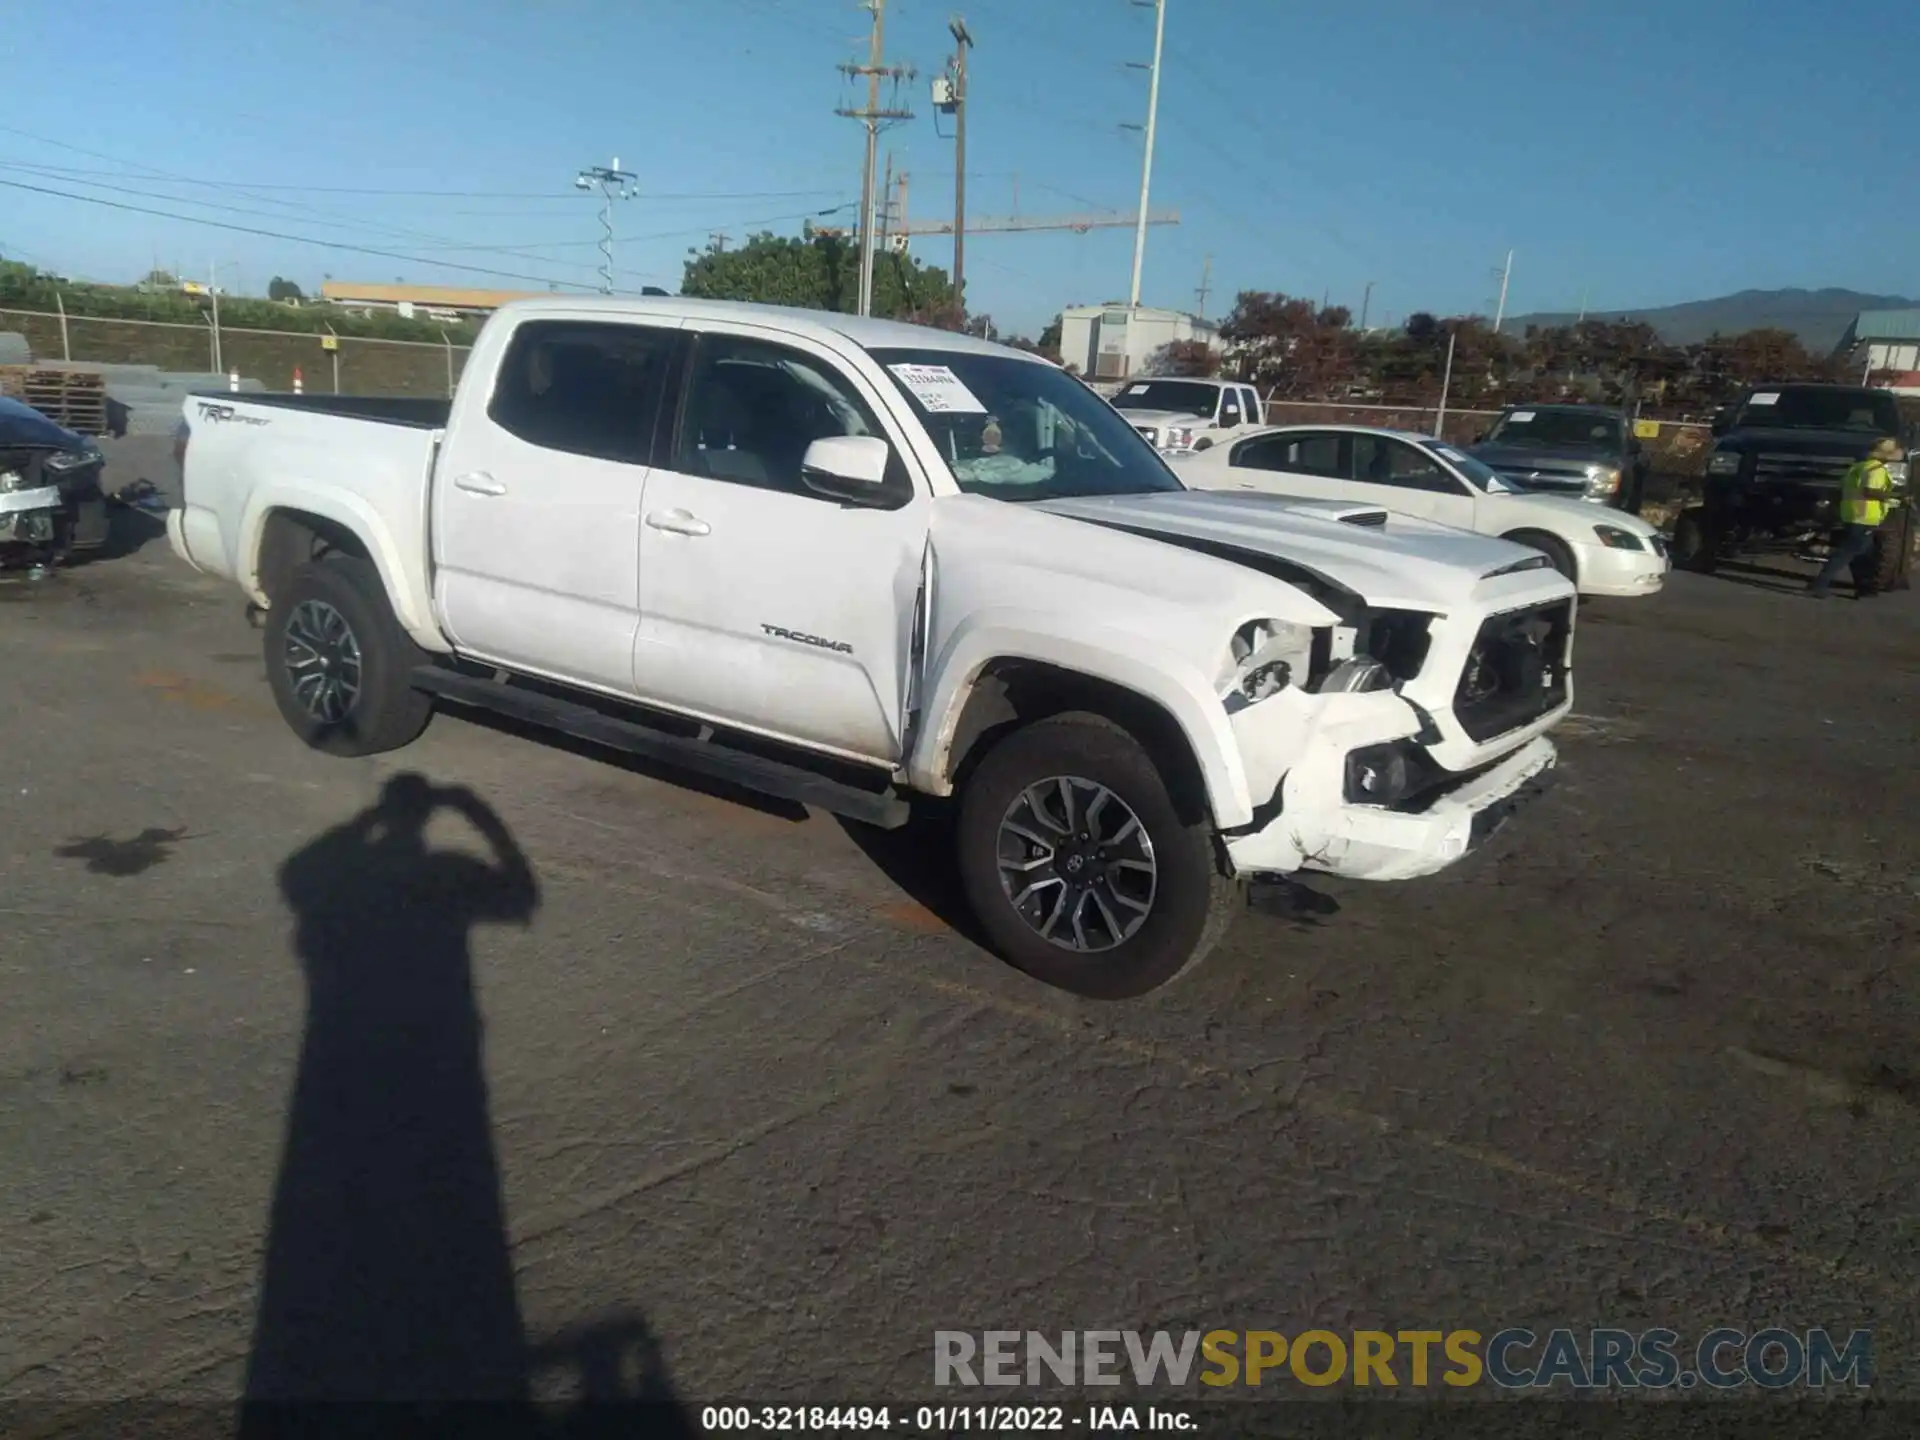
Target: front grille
1516	671
1819	468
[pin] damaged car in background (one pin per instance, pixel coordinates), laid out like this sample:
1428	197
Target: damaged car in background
51	503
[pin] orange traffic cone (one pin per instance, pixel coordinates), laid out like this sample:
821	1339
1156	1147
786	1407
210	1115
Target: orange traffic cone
298	388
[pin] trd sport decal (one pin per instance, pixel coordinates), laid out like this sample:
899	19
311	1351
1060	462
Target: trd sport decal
780	632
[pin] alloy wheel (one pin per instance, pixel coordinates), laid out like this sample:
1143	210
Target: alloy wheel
1076	864
322	657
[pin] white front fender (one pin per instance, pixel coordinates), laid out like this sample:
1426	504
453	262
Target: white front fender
1173	683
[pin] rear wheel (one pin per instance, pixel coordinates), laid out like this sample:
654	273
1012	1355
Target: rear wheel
1551	546
1693	546
340	666
1079	866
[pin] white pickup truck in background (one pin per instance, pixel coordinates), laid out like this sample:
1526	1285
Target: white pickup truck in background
847	562
1182	414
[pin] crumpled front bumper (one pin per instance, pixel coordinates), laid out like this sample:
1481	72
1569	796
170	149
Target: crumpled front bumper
1318	829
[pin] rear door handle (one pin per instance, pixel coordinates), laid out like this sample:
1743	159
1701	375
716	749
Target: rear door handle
679	522
479	483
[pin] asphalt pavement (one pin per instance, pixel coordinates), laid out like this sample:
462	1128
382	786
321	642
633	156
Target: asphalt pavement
303	1085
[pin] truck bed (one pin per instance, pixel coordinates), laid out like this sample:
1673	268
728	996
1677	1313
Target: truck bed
361	463
416	412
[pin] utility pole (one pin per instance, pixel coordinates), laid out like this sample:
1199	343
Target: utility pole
1146	164
1366	303
1500	310
213	295
1446	384
1206	285
1583	307
719	239
613	183
962	43
870	117
886	204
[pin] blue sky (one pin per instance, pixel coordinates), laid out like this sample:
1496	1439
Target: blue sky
1635	151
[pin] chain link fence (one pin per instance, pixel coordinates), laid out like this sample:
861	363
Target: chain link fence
349	365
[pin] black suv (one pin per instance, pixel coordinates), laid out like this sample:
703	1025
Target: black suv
1584	452
1773	479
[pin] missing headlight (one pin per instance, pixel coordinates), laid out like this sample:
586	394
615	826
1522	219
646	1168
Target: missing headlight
1264	656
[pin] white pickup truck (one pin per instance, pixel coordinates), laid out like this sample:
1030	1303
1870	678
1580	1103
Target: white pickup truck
1180	414
846	562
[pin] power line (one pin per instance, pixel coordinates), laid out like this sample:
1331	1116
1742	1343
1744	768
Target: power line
237	187
295	239
440	241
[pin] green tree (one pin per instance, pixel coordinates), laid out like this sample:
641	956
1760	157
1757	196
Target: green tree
818	270
279	289
1049	342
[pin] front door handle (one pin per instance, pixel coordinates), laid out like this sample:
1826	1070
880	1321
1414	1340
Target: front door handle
679	522
479	483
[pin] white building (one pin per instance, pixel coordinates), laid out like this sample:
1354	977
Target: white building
1111	342
1886	343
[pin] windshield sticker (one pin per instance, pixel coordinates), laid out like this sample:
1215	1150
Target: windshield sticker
1137	389
1519	417
1766	397
938	390
1454	455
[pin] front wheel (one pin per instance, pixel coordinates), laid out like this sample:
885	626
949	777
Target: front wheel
1551	546
1693	544
1079	866
339	665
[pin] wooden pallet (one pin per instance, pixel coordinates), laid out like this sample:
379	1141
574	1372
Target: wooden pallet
76	399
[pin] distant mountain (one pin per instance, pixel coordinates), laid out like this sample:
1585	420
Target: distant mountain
1818	317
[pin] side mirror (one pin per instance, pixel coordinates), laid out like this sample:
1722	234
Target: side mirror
1722	420
848	468
1479	439
1229	418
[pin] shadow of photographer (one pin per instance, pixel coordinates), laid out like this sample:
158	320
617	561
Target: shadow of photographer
387	1273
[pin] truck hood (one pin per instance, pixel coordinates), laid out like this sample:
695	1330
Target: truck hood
1395	562
1549	460
1852	443
23	427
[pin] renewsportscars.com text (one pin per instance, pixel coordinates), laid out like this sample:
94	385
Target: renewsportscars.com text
1514	1358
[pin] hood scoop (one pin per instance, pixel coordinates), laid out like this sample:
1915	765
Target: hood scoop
1374	519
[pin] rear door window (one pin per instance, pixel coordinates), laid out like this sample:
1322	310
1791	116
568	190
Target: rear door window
1310	452
585	388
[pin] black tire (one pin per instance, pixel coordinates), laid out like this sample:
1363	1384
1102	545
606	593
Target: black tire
384	712
1693	548
1892	554
1191	902
1551	546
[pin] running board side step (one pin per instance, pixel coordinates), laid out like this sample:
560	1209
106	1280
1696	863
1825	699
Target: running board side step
885	810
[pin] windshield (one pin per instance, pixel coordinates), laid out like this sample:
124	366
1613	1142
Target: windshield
1182	395
1557	427
1478	473
1871	412
1023	430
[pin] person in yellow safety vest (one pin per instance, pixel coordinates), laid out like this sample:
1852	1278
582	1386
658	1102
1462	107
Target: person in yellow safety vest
1866	495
